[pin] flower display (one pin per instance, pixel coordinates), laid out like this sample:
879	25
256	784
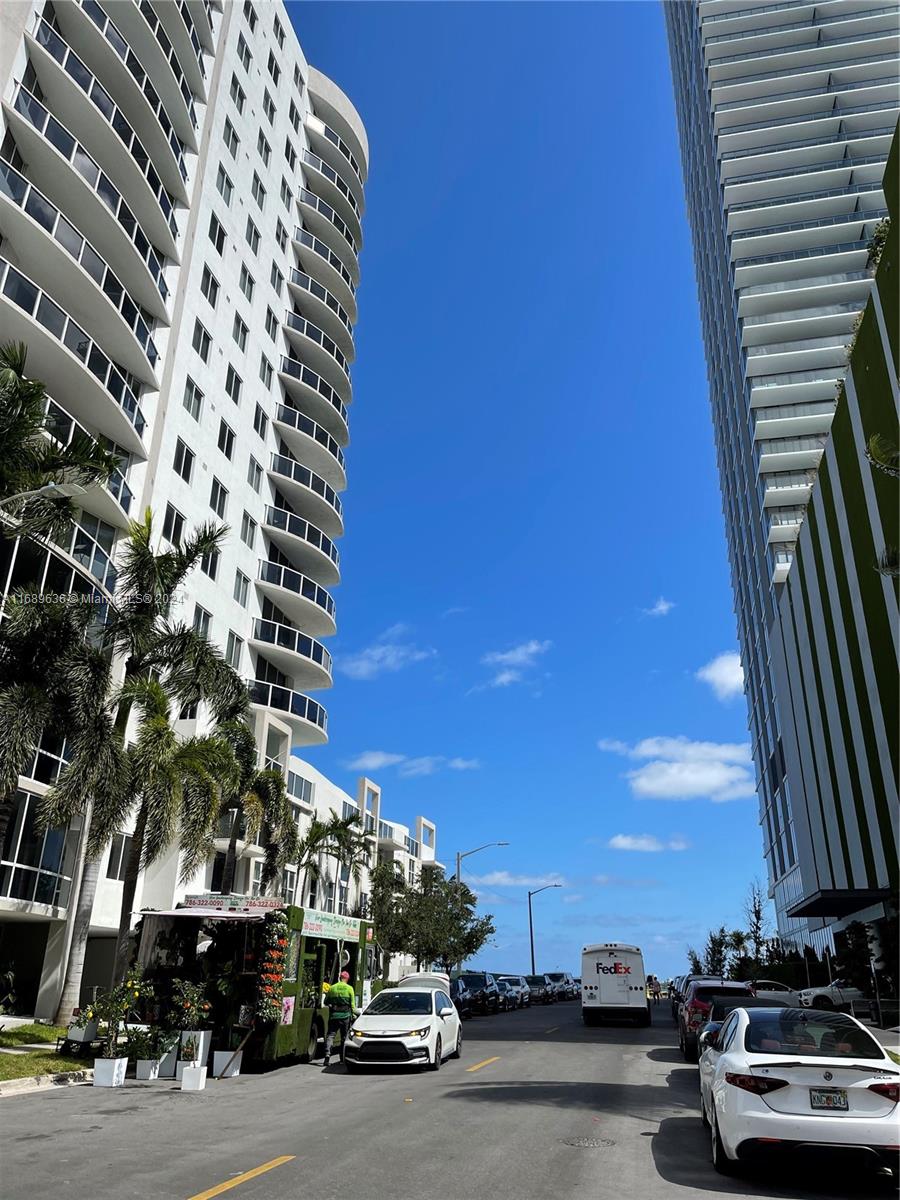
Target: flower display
271	969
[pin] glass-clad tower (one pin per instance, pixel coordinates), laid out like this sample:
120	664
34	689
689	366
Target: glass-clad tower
785	113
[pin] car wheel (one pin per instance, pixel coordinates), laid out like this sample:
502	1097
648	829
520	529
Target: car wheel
438	1051
312	1045
457	1053
720	1159
823	1002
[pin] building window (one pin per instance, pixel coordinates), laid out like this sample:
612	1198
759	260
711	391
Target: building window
218	498
173	525
254	474
189	712
226	439
224	186
209	563
276	279
202	621
298	78
241	588
290	154
216	233
265	372
250	14
274	69
248	530
252	236
247	283
231	139
265	150
233	384
279	33
119	849
269	105
260	421
244	52
286	195
294	117
209	286
201	340
184	461
258	191
238	95
233	650
256	880
281	235
271	324
193	398
239	332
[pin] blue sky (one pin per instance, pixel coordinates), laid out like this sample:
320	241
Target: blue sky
535	568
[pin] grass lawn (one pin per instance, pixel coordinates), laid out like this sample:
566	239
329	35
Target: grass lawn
27	1034
36	1062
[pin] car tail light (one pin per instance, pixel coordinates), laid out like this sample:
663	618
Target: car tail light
891	1091
697	1012
758	1084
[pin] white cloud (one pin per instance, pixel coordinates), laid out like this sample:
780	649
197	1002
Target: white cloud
519	656
373	760
724	675
463	764
506	879
455	611
681	769
661	608
386	655
644	843
425	764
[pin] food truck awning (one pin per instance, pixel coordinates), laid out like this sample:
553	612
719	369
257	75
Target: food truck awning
205	914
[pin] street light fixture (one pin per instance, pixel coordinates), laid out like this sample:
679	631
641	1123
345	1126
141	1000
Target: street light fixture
50	491
530	919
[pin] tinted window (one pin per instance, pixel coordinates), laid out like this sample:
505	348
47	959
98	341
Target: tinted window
706	994
727	1033
829	1035
442	1000
535	980
397	1004
474	981
556	976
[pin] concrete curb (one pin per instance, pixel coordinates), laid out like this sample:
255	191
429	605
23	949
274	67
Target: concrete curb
35	1083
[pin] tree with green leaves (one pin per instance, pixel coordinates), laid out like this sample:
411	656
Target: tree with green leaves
387	911
757	924
715	952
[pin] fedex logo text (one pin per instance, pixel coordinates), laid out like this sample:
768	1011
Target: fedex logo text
614	969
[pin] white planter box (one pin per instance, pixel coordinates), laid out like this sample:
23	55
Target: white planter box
202	1039
193	1079
147	1068
167	1064
82	1033
221	1059
109	1072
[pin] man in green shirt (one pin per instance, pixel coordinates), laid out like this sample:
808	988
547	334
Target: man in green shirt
340	1001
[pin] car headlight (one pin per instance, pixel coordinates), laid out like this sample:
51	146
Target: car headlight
419	1033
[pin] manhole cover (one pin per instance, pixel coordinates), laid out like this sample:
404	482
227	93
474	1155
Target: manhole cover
585	1143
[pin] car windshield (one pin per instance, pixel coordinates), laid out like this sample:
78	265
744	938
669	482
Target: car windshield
707	994
813	1035
535	981
513	979
474	981
400	1004
556	976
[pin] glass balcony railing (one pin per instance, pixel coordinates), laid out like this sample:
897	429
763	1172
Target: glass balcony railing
323	207
29	107
292	416
854	135
301	280
830	89
813	252
272	695
192	34
293	581
297	369
804	118
90	543
288	522
735	14
849	218
26	196
289	468
370	822
412	846
847	163
810	23
855	189
291	639
170	56
799	47
38	305
790	445
318	164
789	285
385	830
783	412
788	480
349	810
103	102
62	428
781	72
338	142
295	321
779	517
325	251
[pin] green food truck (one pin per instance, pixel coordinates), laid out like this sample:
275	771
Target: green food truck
264	968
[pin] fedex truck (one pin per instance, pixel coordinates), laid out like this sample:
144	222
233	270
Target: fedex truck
613	983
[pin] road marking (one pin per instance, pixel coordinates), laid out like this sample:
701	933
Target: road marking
553	1030
238	1179
484	1063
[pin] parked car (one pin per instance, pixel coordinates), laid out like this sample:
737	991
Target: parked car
777	1080
540	989
485	993
770	989
405	1027
682	983
518	983
676	994
694	1012
509	1000
830	996
564	984
461	995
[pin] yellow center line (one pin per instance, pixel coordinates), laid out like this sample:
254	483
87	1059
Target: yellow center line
239	1179
484	1063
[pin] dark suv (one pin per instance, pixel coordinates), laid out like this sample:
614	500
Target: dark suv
484	991
540	988
461	995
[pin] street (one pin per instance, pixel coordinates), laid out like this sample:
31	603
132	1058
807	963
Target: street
538	1107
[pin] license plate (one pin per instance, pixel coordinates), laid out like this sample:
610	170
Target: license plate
834	1099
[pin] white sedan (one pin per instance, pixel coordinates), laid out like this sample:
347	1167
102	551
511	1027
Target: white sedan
776	1080
410	1027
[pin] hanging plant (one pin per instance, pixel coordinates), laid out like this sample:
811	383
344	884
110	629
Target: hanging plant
271	969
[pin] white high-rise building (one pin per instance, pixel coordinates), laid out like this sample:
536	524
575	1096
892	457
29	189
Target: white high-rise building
180	223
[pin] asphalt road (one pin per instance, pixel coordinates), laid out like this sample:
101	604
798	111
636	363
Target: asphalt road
501	1130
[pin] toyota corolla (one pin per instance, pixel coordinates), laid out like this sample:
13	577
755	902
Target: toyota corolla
405	1027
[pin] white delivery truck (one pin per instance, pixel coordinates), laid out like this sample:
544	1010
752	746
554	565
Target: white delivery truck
613	983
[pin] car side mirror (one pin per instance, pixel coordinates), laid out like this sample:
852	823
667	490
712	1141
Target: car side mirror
444	1012
710	1038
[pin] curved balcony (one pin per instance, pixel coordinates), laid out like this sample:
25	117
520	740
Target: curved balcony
312	444
109	53
71	88
75	178
82	279
304	544
300	598
329	144
302	658
334	106
112	501
325	221
179	24
325	266
308	492
335	189
201	12
316	394
320	351
308	720
312	296
101	399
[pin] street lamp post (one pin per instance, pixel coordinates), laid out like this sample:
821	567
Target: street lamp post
465	854
531	919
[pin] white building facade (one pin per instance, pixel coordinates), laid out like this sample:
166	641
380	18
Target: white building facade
180	225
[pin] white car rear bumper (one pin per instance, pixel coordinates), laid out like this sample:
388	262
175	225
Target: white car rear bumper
751	1134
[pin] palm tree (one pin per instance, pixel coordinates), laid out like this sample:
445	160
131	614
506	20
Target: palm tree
347	843
29	459
258	802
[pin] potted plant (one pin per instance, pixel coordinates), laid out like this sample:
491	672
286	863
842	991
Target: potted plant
190	1071
191	1015
80	1028
113	1008
147	1048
